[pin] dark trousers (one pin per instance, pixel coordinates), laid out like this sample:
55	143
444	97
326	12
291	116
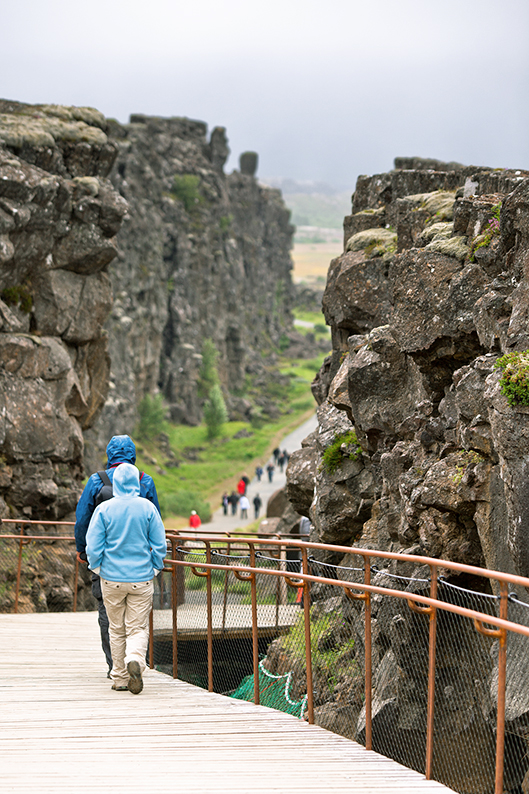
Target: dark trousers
102	618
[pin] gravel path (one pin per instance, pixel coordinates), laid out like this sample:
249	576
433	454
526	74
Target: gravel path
264	488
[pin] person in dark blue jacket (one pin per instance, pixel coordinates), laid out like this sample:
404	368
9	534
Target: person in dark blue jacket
120	449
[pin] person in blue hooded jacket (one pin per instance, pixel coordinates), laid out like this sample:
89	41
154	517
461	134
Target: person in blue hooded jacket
126	546
120	449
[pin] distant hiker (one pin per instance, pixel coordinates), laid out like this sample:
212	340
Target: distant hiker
286	456
194	520
270	470
259	473
234	501
246	479
120	449
244	504
225	502
281	462
241	487
257	502
126	546
276	453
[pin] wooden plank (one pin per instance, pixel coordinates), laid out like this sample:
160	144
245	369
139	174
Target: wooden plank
62	727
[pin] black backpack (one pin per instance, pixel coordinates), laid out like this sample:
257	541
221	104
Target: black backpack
106	492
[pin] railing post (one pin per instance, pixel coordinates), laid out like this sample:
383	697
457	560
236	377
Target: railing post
75	583
174	607
19	568
502	674
368	684
308	647
255	638
431	675
226	580
210	618
151	640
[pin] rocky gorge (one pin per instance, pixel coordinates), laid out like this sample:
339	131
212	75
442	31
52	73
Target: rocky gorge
419	449
122	249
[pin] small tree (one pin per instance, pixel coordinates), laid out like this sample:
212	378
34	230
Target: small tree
152	417
215	413
208	375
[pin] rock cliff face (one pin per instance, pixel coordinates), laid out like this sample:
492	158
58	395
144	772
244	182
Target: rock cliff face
201	255
122	248
417	449
59	215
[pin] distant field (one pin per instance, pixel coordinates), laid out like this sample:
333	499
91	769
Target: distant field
311	261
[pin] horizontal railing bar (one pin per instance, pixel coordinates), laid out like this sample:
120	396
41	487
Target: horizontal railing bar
32	521
37	537
389	555
402	594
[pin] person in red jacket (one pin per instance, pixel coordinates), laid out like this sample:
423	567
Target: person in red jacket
194	520
241	487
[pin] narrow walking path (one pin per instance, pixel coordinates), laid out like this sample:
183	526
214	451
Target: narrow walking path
62	729
265	489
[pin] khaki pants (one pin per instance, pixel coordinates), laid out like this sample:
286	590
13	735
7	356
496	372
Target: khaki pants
128	606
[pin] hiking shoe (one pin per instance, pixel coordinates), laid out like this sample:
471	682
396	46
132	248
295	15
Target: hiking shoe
135	684
120	688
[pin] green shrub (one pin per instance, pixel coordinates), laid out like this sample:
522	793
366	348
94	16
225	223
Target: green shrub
514	381
152	417
215	413
186	189
333	455
18	295
180	503
208	375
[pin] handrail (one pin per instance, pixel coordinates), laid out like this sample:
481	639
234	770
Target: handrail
427	605
496	627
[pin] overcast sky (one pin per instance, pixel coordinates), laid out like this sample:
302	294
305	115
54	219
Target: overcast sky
321	89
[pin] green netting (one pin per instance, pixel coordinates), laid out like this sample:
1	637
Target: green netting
273	692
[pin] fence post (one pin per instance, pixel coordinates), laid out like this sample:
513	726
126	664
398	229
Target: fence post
19	567
368	659
255	638
308	648
502	675
174	607
210	618
431	675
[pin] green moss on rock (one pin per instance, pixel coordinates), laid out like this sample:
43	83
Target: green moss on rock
375	242
455	247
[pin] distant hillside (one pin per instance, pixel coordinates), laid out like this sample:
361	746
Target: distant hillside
313	204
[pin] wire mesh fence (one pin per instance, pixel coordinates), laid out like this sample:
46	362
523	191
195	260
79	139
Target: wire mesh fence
38	569
312	660
355	647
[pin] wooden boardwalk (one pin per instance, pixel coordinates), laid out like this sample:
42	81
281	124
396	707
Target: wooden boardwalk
62	729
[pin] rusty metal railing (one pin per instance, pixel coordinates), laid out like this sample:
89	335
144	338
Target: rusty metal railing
227	567
496	627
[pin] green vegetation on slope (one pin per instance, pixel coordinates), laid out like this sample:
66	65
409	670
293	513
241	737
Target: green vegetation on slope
207	466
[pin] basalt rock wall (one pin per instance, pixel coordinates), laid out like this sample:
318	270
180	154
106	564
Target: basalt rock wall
429	456
122	248
59	215
201	255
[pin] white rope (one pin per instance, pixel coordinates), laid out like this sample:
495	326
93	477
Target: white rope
288	676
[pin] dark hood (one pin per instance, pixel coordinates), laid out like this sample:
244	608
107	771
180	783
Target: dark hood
120	449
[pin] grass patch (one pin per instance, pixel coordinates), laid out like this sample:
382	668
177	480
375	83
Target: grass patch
514	381
210	466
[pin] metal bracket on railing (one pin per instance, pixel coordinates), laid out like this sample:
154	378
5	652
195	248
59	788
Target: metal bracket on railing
480	626
420	610
355	596
243	575
200	573
294	582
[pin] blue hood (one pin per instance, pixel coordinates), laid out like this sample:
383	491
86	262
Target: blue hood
120	449
126	481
